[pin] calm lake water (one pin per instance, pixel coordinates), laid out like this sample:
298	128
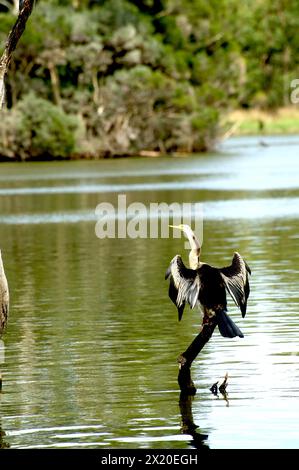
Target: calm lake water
92	342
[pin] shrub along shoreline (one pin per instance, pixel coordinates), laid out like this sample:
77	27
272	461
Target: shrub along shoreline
99	79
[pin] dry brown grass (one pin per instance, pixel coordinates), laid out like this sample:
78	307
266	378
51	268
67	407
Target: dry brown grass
249	122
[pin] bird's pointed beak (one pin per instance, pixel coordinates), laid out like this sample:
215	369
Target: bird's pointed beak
175	226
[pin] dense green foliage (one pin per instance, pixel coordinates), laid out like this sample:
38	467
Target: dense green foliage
118	77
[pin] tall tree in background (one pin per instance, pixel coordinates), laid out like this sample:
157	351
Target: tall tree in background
12	41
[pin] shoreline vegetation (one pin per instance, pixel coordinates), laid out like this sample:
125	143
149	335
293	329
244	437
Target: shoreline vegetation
282	121
237	123
113	78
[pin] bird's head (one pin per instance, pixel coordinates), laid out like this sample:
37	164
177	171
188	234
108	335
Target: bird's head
188	232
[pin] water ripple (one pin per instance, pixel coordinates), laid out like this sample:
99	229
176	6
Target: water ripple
233	209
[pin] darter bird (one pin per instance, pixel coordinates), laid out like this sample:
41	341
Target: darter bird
4	297
205	286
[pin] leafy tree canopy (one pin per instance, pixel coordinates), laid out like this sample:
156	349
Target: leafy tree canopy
149	75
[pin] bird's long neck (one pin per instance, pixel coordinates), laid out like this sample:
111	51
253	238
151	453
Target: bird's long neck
194	262
194	254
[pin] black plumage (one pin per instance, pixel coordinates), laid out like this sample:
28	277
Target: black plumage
206	286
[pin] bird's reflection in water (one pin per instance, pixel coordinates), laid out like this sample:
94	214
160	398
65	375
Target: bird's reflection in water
188	425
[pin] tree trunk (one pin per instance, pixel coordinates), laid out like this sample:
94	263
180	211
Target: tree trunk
96	88
11	43
55	83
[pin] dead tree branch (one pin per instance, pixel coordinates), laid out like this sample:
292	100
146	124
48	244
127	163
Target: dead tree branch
11	43
186	358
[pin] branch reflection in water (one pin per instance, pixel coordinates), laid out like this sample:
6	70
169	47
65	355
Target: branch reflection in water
3	443
188	426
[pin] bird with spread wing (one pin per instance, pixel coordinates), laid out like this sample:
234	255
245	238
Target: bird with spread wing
205	286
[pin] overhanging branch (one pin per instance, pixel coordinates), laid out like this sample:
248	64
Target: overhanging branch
12	41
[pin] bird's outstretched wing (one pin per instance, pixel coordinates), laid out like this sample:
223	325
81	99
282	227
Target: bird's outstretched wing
184	284
236	279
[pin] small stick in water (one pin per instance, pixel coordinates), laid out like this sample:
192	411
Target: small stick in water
214	388
222	388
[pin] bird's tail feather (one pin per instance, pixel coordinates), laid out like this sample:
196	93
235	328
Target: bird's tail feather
227	327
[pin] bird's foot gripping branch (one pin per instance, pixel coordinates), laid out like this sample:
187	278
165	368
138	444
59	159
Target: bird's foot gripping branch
186	358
